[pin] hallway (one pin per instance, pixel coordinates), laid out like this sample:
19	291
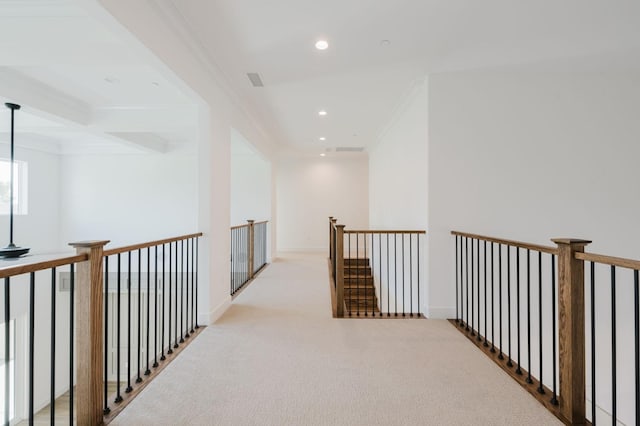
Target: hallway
278	358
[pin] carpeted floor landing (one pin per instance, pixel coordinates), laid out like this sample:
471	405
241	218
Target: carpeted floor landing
278	358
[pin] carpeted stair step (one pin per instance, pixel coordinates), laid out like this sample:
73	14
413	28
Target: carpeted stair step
352	280
357	270
362	290
356	262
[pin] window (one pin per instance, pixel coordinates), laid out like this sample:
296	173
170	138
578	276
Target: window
12	367
19	186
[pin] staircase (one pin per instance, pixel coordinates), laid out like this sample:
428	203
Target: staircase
359	291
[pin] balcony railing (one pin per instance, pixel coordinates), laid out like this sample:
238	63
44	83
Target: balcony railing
156	281
248	252
570	336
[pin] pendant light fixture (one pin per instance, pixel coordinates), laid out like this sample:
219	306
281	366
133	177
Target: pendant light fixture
12	250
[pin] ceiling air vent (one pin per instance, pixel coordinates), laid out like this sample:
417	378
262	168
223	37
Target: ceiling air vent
255	79
349	149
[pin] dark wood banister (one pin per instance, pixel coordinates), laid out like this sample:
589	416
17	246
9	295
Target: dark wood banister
133	247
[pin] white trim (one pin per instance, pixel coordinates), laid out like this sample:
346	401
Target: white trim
213	316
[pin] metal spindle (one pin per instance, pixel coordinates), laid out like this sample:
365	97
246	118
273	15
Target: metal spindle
462	293
518	370
170	350
410	275
148	371
7	343
185	272
395	273
500	355
593	344
636	311
554	398
380	271
388	281
614	378
509	363
197	261
72	305
418	269
193	257
403	288
472	292
155	308
529	380
32	341
164	310
493	312
466	268
175	345
52	385
118	396
484	268
540	386
106	410
457	281
129	387
478	338
139	379
181	290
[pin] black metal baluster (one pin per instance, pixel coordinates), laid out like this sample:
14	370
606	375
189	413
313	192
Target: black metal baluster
403	287
176	305
129	387
529	380
509	363
486	308
32	340
518	370
380	272
418	270
7	343
106	410
395	273
636	310
155	307
466	269
139	379
374	303
357	274
118	396
500	355
72	306
473	333
170	350
164	309
148	371
181	290
614	375
554	398
593	345
364	274
493	312
478	338
193	259
540	386
52	386
457	283
197	263
462	293
185	272
410	275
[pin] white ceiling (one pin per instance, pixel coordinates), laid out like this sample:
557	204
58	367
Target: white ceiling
83	87
360	82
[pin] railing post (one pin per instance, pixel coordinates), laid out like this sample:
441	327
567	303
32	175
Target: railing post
251	247
339	259
331	238
89	328
571	331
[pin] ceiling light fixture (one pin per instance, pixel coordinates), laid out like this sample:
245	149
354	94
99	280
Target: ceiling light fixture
322	138
322	45
322	113
323	154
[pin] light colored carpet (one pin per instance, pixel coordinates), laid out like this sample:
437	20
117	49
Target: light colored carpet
278	358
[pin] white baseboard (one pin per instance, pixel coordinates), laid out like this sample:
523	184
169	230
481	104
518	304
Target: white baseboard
438	312
213	316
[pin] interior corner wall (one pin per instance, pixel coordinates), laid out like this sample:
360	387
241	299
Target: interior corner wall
250	188
309	190
398	172
531	156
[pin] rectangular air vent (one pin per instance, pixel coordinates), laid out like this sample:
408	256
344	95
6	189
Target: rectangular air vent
349	149
255	79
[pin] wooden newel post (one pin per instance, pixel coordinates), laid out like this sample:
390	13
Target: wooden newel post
339	259
89	328
250	245
571	331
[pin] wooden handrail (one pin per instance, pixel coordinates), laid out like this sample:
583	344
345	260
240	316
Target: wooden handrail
609	260
520	244
132	247
373	231
260	223
27	268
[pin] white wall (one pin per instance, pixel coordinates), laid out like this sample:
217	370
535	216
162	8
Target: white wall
250	183
532	156
128	198
309	190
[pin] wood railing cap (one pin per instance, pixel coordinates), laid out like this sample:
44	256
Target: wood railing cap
571	241
340	226
90	243
250	220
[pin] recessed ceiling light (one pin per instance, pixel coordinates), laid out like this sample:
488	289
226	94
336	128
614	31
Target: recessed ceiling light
322	138
323	154
322	113
322	44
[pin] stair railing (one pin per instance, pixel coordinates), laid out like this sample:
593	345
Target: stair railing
376	273
248	252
